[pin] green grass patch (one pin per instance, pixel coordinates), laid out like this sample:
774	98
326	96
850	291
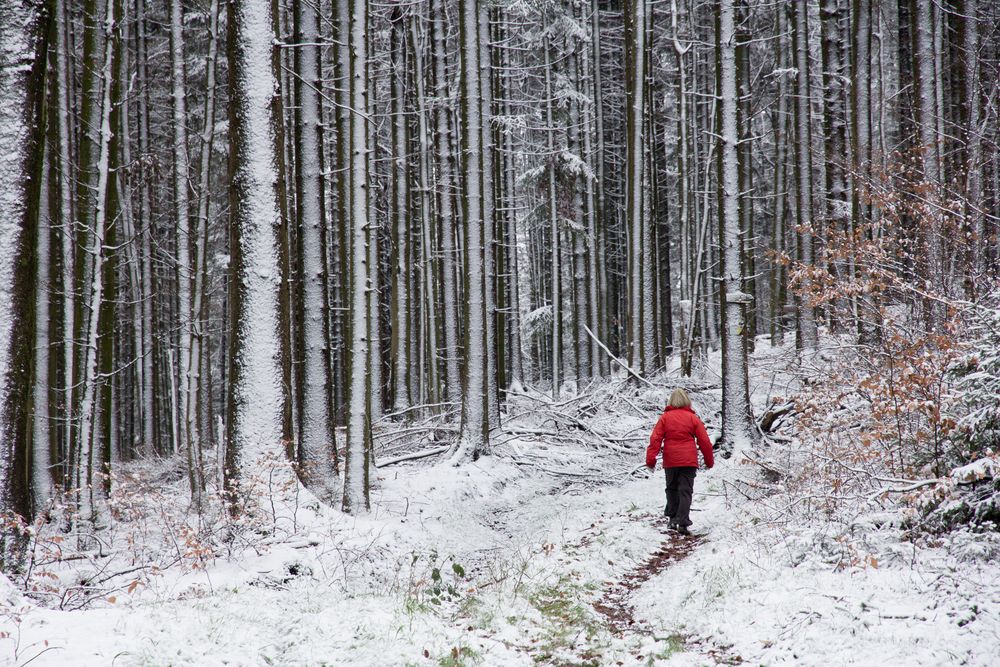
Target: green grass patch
460	656
570	632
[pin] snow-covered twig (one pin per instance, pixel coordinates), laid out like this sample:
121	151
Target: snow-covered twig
412	456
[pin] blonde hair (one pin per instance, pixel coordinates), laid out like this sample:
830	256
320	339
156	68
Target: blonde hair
679	399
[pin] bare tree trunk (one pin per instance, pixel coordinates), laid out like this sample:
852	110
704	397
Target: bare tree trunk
473	438
922	28
144	242
358	445
808	336
488	156
780	125
23	32
635	82
429	302
860	137
445	185
200	347
89	432
315	453
556	270
736	427
974	208
181	173
600	221
255	400
401	270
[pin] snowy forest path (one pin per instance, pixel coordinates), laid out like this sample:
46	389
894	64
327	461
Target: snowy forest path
615	603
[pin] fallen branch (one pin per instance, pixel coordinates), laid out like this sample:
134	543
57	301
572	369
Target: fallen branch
769	418
413	456
616	359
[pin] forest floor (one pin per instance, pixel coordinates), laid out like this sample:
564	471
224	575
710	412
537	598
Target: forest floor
551	551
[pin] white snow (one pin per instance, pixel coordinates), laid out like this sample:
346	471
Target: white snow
537	531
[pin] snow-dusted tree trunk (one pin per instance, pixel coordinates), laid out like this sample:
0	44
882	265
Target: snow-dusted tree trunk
357	449
429	303
779	123
922	28
474	435
736	428
861	139
600	206
635	204
838	205
315	455
376	402
200	348
553	215
973	136
41	442
144	240
445	184
67	232
581	273
808	336
89	431
254	397
22	76
401	263
341	237
515	379
487	154
182	224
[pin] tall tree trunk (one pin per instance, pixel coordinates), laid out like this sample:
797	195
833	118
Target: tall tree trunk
89	455
779	123
145	246
973	139
553	215
40	418
922	29
736	427
473	438
358	445
23	34
315	454
182	223
861	138
581	283
200	347
635	204
808	335
255	401
599	195
401	264
445	186
429	302
487	152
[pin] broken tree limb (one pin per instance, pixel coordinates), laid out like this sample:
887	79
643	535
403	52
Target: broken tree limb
773	414
616	359
424	453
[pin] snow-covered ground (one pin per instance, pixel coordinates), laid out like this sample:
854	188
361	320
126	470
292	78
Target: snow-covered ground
502	562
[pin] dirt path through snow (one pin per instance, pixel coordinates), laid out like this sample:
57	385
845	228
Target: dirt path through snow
615	604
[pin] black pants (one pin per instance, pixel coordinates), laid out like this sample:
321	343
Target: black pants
680	487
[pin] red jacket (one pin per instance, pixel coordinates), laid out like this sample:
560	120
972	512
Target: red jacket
676	431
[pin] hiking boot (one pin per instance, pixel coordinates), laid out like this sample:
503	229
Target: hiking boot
683	530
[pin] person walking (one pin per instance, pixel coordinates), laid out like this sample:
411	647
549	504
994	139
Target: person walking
676	432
